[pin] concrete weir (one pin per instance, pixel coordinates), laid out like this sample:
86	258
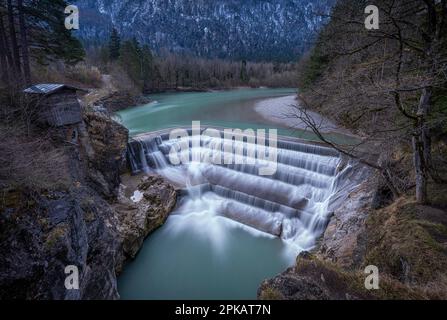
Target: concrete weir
294	202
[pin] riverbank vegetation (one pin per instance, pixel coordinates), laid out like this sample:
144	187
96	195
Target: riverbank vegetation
32	38
166	71
389	86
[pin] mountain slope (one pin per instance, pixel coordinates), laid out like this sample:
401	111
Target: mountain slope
248	29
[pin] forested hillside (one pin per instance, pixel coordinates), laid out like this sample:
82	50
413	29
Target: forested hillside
250	30
387	85
137	66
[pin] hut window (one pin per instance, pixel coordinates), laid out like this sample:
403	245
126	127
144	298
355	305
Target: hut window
74	136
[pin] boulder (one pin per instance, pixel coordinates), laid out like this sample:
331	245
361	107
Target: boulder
117	100
136	220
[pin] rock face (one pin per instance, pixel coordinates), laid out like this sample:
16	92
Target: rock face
42	231
42	234
135	221
250	29
343	241
105	143
121	100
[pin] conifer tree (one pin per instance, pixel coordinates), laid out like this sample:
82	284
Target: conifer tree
114	45
34	32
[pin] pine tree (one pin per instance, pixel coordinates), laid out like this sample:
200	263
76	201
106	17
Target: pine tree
5	56
244	73
49	39
131	61
24	47
114	45
34	31
13	39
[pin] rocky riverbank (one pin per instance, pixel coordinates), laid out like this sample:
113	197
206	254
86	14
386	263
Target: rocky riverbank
405	241
139	216
87	223
116	101
109	98
283	111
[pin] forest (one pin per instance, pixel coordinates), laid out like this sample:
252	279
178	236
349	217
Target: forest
151	72
387	85
32	34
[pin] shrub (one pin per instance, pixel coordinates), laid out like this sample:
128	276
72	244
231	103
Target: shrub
31	161
87	75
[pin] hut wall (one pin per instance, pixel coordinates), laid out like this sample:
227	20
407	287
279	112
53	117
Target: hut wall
61	109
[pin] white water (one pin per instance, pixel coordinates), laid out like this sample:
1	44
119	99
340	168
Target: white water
232	228
291	204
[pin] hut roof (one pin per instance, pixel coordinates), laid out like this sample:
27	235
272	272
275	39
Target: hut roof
49	88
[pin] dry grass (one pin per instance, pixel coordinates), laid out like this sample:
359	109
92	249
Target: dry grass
31	161
87	75
343	283
81	75
408	242
269	294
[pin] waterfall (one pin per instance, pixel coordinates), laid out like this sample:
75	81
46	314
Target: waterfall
293	203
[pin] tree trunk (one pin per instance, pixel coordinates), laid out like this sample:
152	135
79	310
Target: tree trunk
421	174
7	52
24	44
422	147
3	55
389	182
13	36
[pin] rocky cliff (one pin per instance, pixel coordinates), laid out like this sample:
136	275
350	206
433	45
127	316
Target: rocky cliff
88	224
104	142
41	234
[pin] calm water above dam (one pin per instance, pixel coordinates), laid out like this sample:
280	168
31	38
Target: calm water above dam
232	108
222	240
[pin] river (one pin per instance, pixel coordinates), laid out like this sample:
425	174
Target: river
202	254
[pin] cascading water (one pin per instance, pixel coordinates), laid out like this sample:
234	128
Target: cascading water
292	203
232	228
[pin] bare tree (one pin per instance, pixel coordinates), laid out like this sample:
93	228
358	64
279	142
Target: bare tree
301	114
3	53
13	39
24	43
394	73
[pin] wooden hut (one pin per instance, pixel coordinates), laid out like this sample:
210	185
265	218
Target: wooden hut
57	104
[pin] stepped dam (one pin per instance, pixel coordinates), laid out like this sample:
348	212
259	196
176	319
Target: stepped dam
236	222
293	203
